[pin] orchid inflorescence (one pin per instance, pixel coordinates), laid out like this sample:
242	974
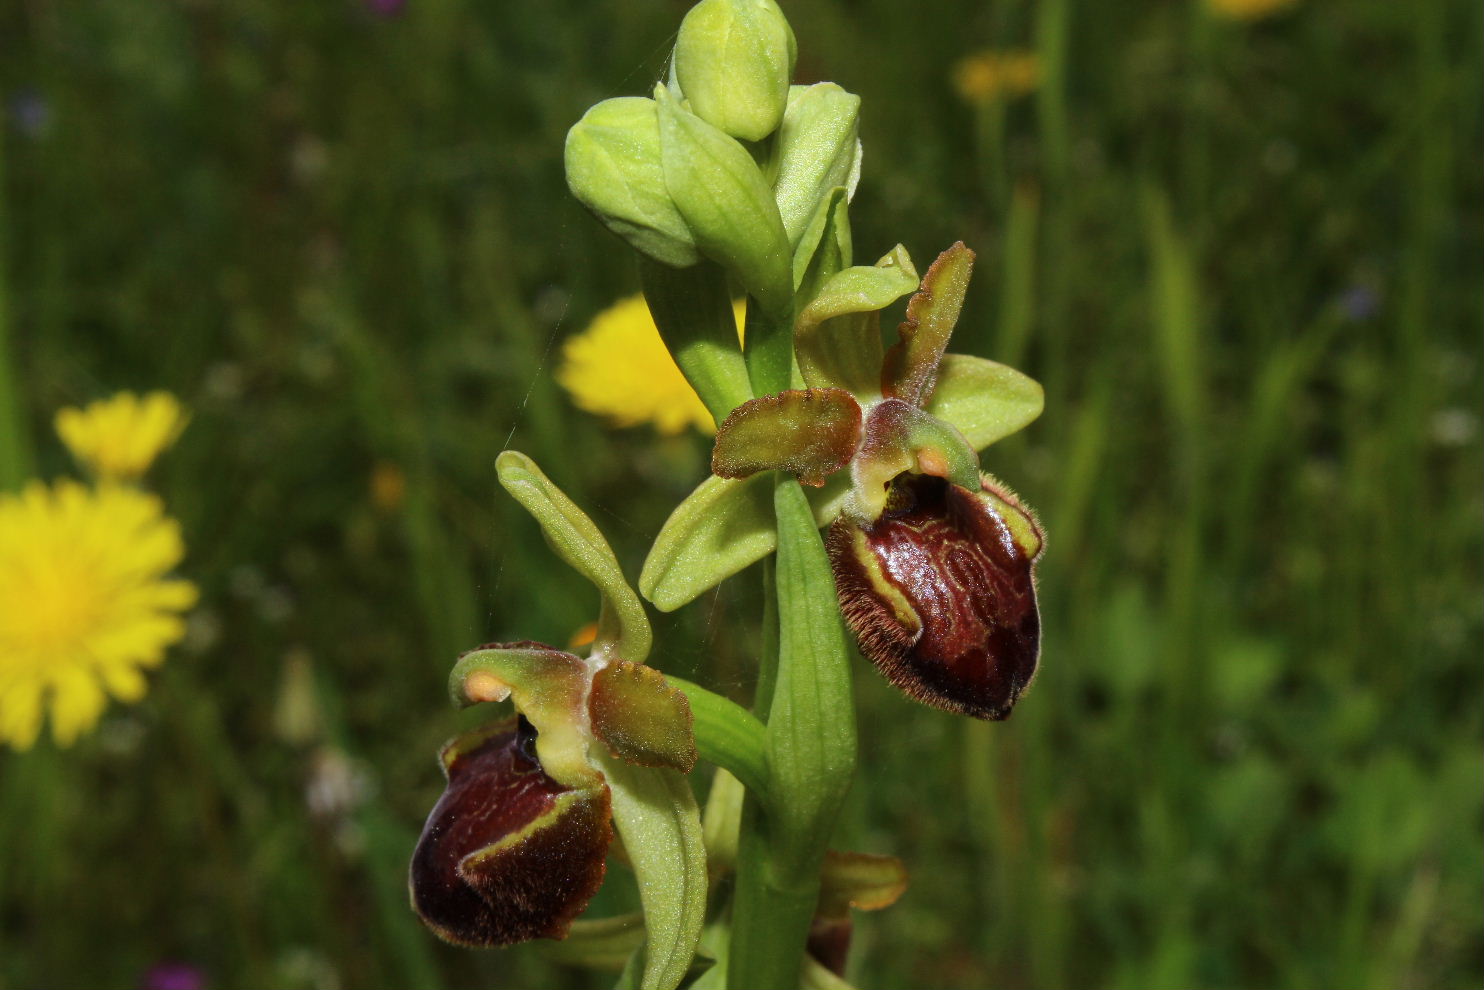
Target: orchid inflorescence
731	178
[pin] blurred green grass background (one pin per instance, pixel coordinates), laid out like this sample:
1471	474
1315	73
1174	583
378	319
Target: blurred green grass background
1243	257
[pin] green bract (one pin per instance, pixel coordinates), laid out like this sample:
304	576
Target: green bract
817	150
733	62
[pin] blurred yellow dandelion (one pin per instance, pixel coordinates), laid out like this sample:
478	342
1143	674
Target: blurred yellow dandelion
118	438
988	75
619	368
85	606
1246	10
388	486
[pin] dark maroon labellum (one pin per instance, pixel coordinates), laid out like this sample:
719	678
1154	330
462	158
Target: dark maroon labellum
940	594
508	854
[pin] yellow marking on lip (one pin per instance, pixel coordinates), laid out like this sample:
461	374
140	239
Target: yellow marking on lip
882	586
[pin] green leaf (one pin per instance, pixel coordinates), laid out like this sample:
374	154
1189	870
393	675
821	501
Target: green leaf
720	528
837	335
911	366
818	150
809	433
614	169
693	310
660	824
623	627
986	401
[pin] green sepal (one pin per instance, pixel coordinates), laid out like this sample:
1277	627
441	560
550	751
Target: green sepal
985	400
809	433
720	528
813	976
597	943
818	150
547	687
721	821
726	203
693	310
733	60
862	881
911	367
641	718
660	824
623	628
837	335
614	169
825	247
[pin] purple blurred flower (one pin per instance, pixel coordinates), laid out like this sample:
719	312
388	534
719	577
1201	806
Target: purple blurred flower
29	109
1360	302
173	976
385	8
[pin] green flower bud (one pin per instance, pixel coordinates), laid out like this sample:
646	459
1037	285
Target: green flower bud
733	60
726	202
614	169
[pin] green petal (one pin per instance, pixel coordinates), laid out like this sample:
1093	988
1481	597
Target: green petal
660	824
985	400
722	527
911	367
623	627
642	719
837	335
810	433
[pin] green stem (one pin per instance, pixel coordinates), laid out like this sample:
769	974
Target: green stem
692	308
811	755
728	735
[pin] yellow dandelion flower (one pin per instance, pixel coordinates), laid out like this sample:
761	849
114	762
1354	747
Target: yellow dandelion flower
986	76
619	368
85	606
388	486
1246	10
118	438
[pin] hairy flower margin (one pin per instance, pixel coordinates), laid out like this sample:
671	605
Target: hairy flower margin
86	604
